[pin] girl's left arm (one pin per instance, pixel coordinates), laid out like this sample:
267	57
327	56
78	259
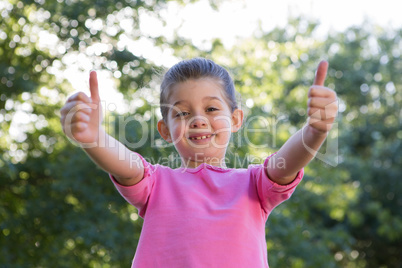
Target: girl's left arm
301	148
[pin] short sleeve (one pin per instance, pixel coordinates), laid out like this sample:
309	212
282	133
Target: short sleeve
138	194
270	193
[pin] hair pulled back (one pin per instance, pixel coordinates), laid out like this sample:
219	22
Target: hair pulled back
196	68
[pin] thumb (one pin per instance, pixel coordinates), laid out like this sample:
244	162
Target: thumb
93	86
321	73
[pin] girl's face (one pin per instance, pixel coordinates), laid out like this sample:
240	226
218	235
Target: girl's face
200	122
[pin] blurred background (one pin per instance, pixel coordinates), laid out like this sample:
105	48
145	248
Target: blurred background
58	209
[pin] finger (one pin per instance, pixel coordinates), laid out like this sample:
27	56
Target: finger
79	96
68	120
321	73
316	113
80	117
321	125
93	86
75	106
320	102
320	91
323	114
78	127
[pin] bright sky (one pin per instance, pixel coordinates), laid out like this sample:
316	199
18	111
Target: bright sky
239	18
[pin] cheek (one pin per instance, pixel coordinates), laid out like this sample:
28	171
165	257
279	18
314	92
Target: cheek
223	123
178	129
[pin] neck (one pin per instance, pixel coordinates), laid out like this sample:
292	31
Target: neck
189	163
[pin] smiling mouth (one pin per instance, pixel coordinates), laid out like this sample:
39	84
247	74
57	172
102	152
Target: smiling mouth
201	137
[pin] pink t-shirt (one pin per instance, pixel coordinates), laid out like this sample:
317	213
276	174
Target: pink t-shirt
205	216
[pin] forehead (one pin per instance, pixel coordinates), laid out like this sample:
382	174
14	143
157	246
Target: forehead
197	90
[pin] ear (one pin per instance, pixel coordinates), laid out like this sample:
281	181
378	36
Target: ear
237	120
164	131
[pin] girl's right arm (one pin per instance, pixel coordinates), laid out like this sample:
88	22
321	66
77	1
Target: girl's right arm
81	119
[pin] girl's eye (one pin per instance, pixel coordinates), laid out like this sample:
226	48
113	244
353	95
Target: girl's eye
181	114
211	109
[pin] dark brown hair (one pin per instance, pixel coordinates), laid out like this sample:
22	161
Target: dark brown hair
196	68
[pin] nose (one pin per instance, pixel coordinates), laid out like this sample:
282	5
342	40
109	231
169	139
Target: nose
198	122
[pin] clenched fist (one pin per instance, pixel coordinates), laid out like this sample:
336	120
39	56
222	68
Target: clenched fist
322	105
81	116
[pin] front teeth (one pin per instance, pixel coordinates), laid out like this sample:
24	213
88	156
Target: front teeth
200	137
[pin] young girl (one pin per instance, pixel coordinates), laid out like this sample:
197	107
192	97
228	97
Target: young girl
202	214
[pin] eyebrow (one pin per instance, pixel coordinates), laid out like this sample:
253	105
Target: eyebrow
205	98
179	102
212	98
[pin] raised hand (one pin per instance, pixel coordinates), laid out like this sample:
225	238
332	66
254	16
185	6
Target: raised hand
322	105
81	116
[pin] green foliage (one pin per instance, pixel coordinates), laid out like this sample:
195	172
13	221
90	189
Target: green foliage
58	208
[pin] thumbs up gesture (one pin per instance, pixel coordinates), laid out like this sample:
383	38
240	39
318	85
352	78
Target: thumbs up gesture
81	116
322	105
